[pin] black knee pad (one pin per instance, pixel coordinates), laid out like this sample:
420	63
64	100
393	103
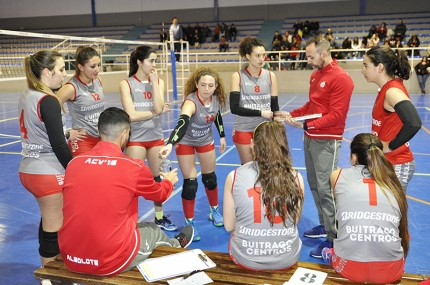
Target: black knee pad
48	244
158	178
189	189
209	180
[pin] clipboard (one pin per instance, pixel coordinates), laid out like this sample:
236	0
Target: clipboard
154	269
302	118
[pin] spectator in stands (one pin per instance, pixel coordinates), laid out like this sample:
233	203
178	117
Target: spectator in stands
197	39
289	37
382	32
275	58
400	30
249	195
284	56
332	42
398	44
100	211
223	31
355	45
328	33
364	42
178	36
223	44
298	37
370	186
372	31
188	32
205	32
163	37
347	44
45	154
373	41
276	41
295	45
285	43
422	70
232	32
216	33
246	86
392	41
414	42
298	25
386	43
314	27
85	99
197	26
306	31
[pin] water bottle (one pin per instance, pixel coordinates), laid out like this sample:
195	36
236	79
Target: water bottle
165	165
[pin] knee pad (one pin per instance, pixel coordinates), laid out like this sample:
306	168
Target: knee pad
189	189
209	180
48	244
158	178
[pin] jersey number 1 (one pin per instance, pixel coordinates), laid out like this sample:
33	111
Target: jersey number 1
372	191
255	195
22	127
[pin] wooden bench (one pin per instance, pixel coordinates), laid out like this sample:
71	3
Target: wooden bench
224	273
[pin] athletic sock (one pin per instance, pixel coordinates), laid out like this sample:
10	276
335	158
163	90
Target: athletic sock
159	215
212	196
188	206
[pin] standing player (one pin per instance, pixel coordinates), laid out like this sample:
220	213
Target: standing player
178	35
329	94
45	154
265	196
372	214
85	100
193	134
253	96
394	118
142	97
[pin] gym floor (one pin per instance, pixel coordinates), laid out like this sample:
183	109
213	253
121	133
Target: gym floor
20	215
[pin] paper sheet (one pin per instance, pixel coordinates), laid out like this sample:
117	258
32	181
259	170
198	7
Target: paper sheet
304	276
200	278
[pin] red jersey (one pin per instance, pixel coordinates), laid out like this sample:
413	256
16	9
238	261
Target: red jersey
101	191
329	94
386	125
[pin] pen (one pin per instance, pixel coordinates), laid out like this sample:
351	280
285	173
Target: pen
192	272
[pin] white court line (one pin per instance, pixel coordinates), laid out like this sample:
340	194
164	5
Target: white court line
5	144
4	120
288	102
180	188
10	136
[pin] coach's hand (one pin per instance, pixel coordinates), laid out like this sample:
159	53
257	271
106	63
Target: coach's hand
172	176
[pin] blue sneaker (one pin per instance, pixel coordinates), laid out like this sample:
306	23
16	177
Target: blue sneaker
317	251
216	217
316	232
165	223
196	233
326	255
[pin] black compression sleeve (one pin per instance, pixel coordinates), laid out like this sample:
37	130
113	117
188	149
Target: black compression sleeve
274	105
180	129
411	123
237	110
219	124
50	110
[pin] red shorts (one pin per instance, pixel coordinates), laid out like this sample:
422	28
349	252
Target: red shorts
79	147
183	149
242	137
41	185
376	272
149	144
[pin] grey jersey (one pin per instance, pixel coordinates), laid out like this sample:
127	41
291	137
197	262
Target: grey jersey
141	94
86	106
37	154
368	228
256	244
199	131
255	95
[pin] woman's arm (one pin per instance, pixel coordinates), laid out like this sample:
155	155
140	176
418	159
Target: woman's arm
66	93
229	212
128	104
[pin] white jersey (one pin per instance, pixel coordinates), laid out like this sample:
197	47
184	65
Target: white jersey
37	154
87	105
255	243
141	94
368	221
254	95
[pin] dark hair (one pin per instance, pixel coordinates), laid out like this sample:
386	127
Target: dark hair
141	53
112	122
35	64
368	150
83	54
247	44
396	64
321	44
280	192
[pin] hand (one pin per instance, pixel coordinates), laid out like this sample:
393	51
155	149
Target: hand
165	151
293	123
281	116
153	76
222	145
267	114
172	176
78	135
385	147
166	108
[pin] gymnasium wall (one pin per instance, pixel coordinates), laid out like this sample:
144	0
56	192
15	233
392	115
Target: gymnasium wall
28	14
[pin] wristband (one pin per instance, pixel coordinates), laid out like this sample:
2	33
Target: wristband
67	135
305	126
